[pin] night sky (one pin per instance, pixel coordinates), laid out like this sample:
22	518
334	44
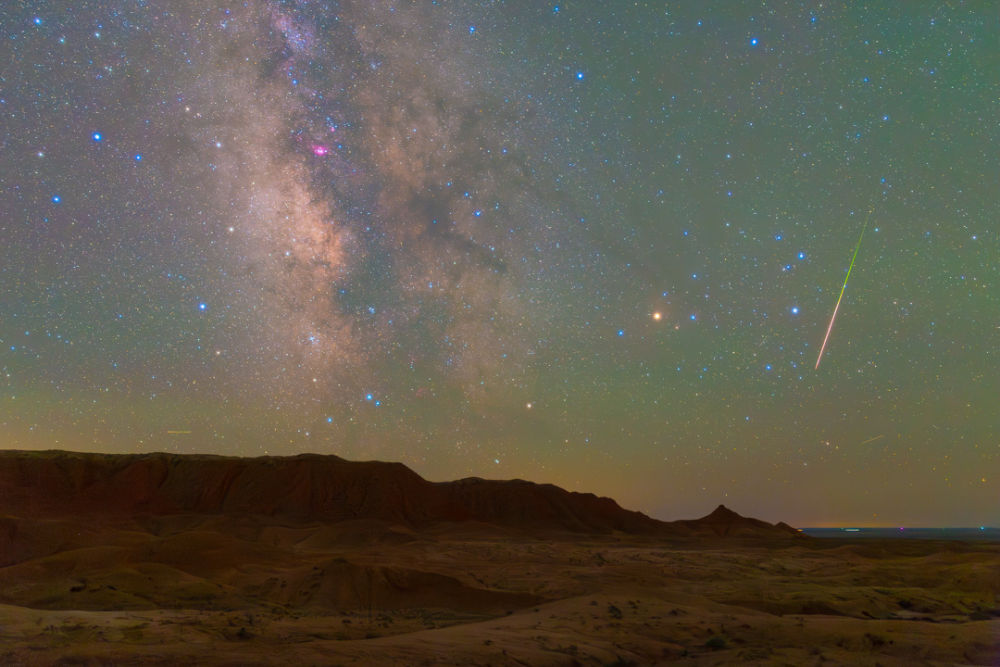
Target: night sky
596	244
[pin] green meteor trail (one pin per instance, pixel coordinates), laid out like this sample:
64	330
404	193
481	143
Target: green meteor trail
844	287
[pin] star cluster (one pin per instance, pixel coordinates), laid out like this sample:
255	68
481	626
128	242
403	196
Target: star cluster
596	244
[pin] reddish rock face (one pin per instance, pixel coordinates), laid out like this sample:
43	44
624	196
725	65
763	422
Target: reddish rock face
314	487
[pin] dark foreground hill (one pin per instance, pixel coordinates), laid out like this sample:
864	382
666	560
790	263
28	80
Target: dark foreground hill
159	559
319	488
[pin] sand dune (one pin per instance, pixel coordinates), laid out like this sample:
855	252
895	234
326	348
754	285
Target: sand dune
159	559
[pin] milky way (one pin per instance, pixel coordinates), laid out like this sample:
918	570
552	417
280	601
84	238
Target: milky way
359	175
588	243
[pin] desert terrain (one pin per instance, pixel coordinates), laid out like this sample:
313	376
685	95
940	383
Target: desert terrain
163	559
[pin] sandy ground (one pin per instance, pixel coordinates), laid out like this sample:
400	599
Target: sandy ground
214	590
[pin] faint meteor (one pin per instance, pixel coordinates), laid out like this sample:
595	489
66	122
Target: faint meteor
178	432
844	287
877	437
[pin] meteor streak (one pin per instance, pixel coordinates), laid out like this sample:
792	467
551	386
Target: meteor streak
844	287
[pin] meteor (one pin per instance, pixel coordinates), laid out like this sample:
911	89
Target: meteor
844	287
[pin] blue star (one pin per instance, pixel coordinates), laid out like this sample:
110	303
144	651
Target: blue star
621	332
795	310
555	10
96	136
478	213
369	397
202	306
38	20
56	199
579	76
767	367
753	41
138	157
801	255
693	317
778	237
329	420
472	29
